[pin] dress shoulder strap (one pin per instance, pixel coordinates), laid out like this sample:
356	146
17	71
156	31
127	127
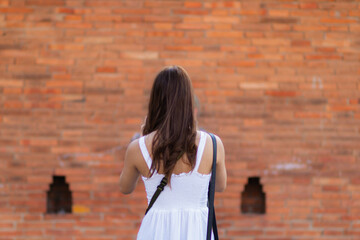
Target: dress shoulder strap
144	151
200	150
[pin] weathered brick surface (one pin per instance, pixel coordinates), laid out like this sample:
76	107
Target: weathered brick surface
279	81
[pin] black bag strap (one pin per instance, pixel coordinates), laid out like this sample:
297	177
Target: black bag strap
211	195
159	189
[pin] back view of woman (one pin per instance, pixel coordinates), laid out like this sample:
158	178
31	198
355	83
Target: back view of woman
171	146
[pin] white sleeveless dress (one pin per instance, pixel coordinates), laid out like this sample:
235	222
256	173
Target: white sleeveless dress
179	213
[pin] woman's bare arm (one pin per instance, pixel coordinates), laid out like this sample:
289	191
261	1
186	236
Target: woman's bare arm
130	174
221	175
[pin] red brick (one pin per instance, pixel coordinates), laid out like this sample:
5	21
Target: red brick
13	104
83	11
45	105
41	91
190	26
326	49
309	5
248	233
107	179
100	3
161	18
4	2
185	62
237	63
331	188
140	55
271	42
184	48
281	93
45	3
163	26
11	83
300	43
140	11
337	20
225	34
354	13
257	12
339	28
323	56
165	33
219	12
312	115
259	85
102	18
278	13
74	25
61	83
253	122
266	56
70	47
222	19
73	18
94	39
16	10
65	10
306	28
193	4
9	233
12	90
188	11
105	69
55	61
281	27
340	108
15	17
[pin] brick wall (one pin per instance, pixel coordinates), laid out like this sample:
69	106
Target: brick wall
278	82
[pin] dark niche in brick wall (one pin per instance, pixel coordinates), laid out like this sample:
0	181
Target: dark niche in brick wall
253	197
59	197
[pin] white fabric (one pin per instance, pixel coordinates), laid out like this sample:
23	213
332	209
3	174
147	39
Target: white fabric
179	213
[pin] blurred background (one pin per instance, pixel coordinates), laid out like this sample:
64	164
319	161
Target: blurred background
277	80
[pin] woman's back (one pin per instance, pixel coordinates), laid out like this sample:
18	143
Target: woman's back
188	189
180	212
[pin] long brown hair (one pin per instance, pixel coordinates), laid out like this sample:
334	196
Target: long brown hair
171	115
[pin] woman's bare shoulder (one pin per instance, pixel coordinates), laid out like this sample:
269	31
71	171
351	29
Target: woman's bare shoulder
134	155
208	138
132	149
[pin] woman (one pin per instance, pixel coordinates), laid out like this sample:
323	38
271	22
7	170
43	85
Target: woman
173	147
